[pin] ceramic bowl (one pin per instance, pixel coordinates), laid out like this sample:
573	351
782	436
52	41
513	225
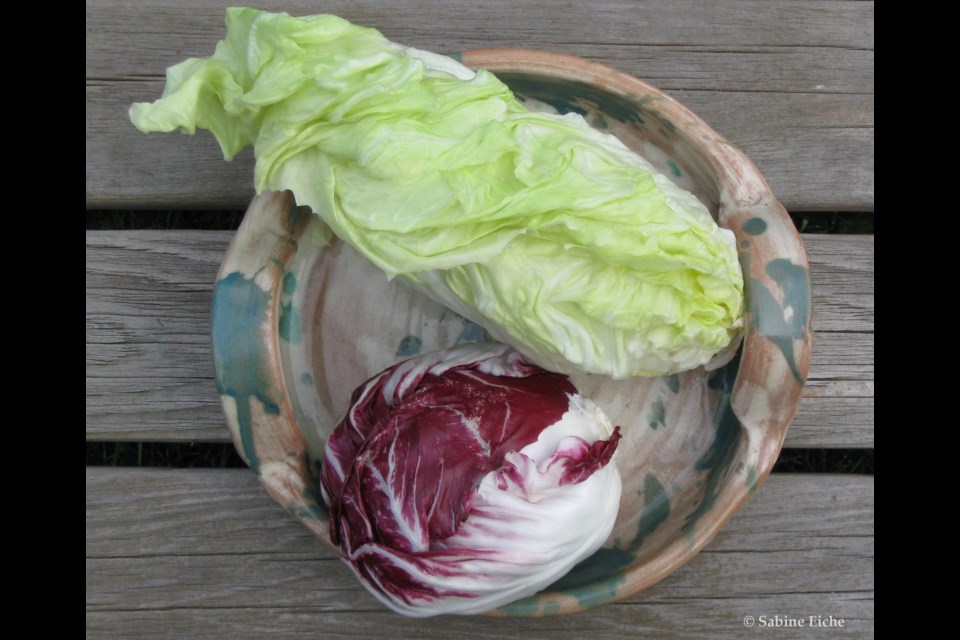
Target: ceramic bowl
297	325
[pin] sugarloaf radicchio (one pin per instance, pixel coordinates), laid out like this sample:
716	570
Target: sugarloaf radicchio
462	480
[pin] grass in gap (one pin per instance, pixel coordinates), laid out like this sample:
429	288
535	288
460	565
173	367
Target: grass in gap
825	461
119	219
224	456
192	455
859	222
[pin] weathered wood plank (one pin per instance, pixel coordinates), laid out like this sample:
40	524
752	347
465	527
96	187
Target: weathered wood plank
842	280
714	618
147	37
208	553
149	365
815	150
791	83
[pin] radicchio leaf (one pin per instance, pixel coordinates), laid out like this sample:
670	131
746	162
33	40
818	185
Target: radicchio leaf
465	479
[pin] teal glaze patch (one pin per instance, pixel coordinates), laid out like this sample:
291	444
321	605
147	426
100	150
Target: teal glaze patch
655	512
289	324
717	460
599	122
596	579
289	321
309	511
457	55
306	378
239	308
598	593
527	607
534	606
311	506
752	479
745	244
471	332
770	317
755	226
568	95
658	414
793	281
289	284
674	169
673	382
409	346
667	125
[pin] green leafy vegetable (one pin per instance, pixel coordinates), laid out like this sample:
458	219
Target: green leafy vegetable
553	236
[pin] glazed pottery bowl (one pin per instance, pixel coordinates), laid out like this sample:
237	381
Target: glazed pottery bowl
299	323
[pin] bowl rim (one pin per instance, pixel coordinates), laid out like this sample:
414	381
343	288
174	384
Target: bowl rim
745	198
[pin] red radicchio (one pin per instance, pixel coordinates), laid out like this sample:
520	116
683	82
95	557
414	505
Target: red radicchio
465	479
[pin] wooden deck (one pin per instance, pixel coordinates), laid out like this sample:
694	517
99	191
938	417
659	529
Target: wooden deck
206	553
